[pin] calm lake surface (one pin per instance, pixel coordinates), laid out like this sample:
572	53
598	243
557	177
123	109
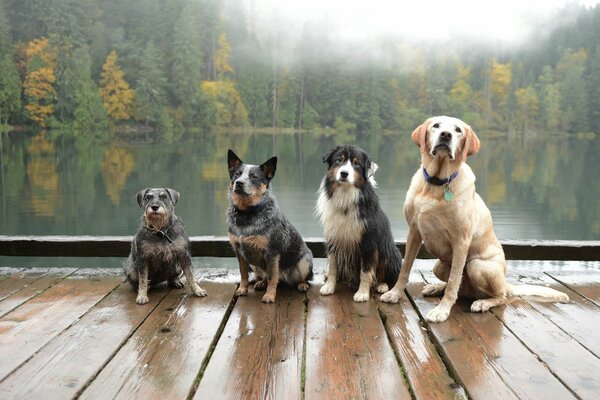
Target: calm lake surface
536	188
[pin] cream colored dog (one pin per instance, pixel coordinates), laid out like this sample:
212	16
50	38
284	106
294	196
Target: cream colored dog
444	212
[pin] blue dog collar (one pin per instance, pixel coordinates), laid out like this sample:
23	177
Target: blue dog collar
434	180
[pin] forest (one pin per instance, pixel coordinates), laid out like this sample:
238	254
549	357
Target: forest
87	68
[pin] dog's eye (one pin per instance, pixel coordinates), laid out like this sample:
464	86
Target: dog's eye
148	197
163	196
458	130
339	160
253	175
436	125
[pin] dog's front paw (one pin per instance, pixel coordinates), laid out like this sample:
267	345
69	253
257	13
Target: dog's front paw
392	296
382	288
438	314
260	285
241	291
198	291
327	289
563	298
361	297
142	299
303	287
268	298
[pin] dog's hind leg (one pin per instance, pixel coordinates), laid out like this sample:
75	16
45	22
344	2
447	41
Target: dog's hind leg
142	296
304	269
175	283
441	270
329	286
485	278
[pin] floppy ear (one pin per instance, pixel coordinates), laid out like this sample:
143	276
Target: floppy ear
327	156
269	167
472	142
233	162
419	135
174	194
140	196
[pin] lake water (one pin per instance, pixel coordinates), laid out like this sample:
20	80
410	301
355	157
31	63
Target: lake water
536	188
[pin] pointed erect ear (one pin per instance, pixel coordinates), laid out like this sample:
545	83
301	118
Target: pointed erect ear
140	196
327	157
233	162
472	141
174	194
419	135
268	168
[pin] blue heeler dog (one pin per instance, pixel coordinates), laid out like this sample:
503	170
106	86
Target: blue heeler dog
261	236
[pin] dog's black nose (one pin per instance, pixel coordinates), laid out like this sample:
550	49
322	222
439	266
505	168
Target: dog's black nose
239	184
155	207
344	174
445	136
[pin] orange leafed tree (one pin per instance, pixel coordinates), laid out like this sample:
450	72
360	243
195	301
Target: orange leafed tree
116	94
39	80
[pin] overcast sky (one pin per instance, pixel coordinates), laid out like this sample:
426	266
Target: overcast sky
506	21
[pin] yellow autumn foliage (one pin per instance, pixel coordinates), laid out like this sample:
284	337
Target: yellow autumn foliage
41	59
42	194
231	110
116	168
117	96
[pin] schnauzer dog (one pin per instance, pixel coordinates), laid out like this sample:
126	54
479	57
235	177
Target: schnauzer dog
160	249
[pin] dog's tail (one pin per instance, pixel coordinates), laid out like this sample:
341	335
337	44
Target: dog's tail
546	293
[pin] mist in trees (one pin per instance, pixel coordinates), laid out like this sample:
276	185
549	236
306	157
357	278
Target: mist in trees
198	65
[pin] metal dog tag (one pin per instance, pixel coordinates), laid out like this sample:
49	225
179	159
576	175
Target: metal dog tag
448	195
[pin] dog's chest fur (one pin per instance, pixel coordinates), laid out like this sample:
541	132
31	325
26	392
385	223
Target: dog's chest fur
340	217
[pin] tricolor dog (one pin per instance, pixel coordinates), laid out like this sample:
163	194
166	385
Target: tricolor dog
360	248
445	213
261	236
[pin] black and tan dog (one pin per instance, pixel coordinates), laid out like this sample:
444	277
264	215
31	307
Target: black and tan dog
160	249
360	247
261	236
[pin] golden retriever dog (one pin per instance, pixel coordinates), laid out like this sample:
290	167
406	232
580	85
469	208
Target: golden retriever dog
445	213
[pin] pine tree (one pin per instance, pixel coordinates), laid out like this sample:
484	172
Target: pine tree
151	85
38	86
117	96
10	88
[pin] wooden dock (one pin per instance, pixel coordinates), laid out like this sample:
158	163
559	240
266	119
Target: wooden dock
77	333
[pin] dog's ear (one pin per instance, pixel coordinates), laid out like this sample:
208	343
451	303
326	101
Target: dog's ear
174	194
327	157
233	162
419	135
372	167
268	168
472	141
140	196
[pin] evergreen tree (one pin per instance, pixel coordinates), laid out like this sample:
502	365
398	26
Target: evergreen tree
151	85
593	86
10	88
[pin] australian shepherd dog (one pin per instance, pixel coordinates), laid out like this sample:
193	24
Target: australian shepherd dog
360	248
261	236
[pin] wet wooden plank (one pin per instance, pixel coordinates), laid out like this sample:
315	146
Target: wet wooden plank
63	367
564	356
580	318
27	329
425	370
45	281
163	357
489	360
586	284
259	354
17	281
7	272
347	351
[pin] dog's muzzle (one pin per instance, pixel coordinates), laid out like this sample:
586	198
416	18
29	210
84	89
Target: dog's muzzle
239	188
443	143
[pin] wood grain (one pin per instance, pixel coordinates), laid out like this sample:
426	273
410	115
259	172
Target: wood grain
423	366
34	288
163	357
65	365
259	355
586	284
347	351
27	329
489	360
18	281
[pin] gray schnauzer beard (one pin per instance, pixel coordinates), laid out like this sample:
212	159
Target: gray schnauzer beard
156	221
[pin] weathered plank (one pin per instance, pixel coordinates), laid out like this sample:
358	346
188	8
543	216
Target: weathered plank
564	356
586	284
580	318
163	357
32	289
489	360
425	370
347	351
259	354
18	281
65	365
218	246
27	329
